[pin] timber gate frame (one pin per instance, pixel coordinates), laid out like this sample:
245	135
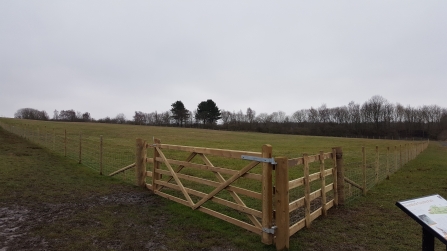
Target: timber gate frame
272	225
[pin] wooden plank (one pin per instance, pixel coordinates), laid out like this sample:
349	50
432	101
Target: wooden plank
296	204
140	162
238	190
312	196
155	167
316	214
191	178
282	216
306	191
296	183
314	177
174	174
297	227
180	167
323	184
173	198
329	187
334	175
231	220
267	195
148	173
149	160
213	151
252	176
330	204
353	183
294	162
226	183
240	208
238	200
149	186
328	172
312	158
122	169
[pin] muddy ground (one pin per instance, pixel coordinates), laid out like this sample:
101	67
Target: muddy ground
48	203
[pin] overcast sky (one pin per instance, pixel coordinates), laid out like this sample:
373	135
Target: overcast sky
110	57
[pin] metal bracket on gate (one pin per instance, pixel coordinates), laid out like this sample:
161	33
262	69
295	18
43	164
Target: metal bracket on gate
259	159
269	230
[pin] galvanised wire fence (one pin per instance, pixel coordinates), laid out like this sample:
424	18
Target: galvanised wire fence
107	155
99	153
376	165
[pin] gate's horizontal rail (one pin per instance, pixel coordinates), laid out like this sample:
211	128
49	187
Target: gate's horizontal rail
218	200
211	168
238	190
213	151
229	219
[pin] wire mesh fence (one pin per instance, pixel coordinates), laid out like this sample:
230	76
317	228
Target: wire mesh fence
106	155
102	154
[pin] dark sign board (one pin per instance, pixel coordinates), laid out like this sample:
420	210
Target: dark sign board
430	212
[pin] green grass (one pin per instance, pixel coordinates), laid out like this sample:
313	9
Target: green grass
51	180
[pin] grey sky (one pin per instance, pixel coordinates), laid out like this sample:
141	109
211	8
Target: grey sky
110	57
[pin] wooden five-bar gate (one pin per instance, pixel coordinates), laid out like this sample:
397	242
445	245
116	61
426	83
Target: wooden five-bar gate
254	193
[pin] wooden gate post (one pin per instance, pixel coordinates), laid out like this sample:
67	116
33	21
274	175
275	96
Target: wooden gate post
140	163
340	175
282	204
267	195
155	175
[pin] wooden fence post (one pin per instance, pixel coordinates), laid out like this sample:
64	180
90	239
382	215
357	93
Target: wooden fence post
282	204
100	155
400	154
364	170
377	165
340	175
140	162
334	176
267	195
395	158
323	184
80	148
306	190
387	163
65	143
155	175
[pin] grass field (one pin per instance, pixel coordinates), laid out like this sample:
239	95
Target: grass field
96	209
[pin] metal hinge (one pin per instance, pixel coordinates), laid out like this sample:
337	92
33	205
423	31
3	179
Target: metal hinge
269	230
259	159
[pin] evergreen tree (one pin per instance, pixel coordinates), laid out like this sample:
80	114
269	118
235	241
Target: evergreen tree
179	113
208	112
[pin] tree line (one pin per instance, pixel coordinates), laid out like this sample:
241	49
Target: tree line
376	117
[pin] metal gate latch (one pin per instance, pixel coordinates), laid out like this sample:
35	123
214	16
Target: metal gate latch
259	159
269	230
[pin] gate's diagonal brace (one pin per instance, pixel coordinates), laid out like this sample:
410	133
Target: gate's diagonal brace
190	157
226	183
232	193
174	174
